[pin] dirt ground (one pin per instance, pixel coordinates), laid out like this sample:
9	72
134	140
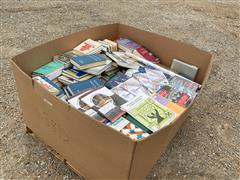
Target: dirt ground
208	144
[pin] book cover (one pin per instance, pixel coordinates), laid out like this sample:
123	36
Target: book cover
173	106
116	80
143	52
50	70
134	132
74	72
149	112
123	60
84	85
77	103
127	44
105	102
187	70
66	80
88	61
87	46
49	85
151	79
99	69
130	88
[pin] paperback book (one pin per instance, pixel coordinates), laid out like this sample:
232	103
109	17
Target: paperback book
88	61
88	46
84	85
105	102
149	112
51	70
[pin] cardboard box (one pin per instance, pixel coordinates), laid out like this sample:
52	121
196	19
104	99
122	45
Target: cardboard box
94	150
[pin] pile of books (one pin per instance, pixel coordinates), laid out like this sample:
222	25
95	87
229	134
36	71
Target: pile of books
120	84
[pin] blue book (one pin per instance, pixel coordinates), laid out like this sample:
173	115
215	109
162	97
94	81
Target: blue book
88	61
84	85
73	72
116	80
54	85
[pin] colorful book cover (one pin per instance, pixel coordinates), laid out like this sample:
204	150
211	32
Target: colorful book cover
77	103
87	46
180	97
50	70
149	112
143	52
49	67
151	79
74	72
130	88
84	85
173	106
127	44
134	132
49	85
105	102
116	80
88	59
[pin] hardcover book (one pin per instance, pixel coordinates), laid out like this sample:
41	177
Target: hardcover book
84	85
149	112
50	70
88	61
105	102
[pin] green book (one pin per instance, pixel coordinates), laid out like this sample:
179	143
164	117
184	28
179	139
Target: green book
149	112
50	70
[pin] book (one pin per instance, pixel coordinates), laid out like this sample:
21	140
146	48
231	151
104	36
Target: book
128	128
146	54
88	46
123	60
77	103
49	85
180	97
137	123
130	89
65	58
50	70
134	132
184	69
116	80
88	61
66	80
149	112
127	44
73	73
112	43
84	85
100	69
105	102
173	106
151	79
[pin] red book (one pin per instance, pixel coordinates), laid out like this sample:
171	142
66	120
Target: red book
142	52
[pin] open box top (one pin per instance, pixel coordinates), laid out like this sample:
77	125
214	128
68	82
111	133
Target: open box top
134	163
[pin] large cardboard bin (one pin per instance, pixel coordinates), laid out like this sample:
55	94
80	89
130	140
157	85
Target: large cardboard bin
92	149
